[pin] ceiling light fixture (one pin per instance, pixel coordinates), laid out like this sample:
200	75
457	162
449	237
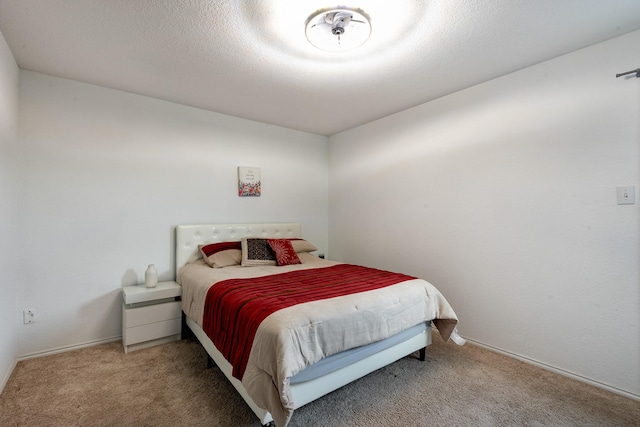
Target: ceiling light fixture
337	30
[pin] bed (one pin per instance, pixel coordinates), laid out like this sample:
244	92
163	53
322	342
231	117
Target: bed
276	378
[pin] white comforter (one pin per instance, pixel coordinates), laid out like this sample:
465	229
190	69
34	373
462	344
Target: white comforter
293	338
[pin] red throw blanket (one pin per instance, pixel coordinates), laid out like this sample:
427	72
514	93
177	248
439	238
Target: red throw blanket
235	308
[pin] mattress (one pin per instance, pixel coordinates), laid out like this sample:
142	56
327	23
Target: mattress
349	357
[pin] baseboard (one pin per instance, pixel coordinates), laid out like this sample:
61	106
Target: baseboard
5	380
68	348
556	370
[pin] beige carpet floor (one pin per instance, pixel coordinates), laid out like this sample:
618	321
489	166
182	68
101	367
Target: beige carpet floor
169	385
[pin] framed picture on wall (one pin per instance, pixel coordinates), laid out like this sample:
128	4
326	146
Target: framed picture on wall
249	181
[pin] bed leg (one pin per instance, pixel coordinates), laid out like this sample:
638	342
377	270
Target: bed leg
209	362
423	354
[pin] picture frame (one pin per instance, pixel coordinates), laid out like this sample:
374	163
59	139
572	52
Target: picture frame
249	183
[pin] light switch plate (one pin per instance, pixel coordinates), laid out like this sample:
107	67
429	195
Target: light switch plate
626	195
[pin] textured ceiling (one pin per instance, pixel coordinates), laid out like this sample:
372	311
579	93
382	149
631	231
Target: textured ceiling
250	58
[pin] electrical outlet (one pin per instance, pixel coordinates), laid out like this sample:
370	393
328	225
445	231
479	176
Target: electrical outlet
29	316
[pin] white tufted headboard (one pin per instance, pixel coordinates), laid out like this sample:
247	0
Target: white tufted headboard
188	237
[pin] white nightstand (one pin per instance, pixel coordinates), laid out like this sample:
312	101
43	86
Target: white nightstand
151	316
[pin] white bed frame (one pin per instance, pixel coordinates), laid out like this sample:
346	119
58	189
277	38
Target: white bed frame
188	237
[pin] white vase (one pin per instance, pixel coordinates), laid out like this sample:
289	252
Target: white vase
151	276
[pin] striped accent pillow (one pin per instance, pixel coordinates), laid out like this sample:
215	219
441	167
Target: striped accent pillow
222	254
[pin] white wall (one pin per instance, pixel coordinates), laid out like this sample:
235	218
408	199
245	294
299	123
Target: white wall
8	210
107	174
504	197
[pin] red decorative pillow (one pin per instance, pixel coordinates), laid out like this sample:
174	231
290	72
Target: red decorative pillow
284	252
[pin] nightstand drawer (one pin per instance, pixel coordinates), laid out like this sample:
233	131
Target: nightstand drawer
152	331
140	293
152	314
